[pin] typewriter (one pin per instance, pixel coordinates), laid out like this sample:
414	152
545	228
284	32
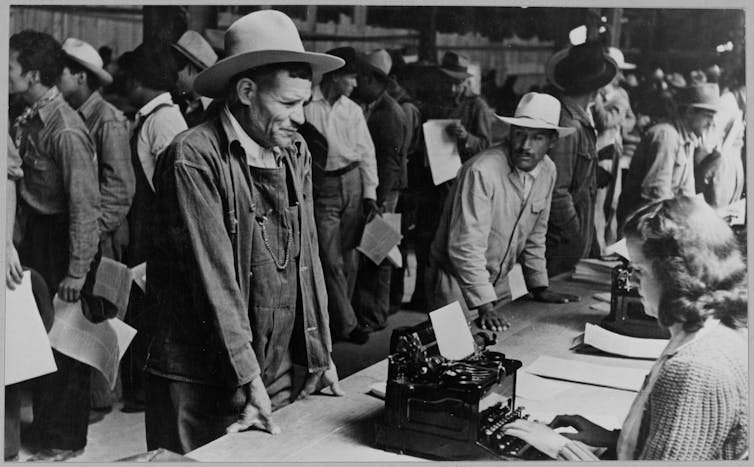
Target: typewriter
627	314
432	404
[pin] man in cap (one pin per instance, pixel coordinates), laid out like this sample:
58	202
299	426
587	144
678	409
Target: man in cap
579	72
82	77
496	215
473	130
58	216
663	164
192	54
613	118
387	125
149	75
234	278
344	192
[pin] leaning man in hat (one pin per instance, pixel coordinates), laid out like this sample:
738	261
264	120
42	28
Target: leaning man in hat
234	276
496	216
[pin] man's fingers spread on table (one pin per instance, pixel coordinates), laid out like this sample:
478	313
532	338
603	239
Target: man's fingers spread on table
337	390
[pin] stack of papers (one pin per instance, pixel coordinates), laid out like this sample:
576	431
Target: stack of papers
379	238
626	378
442	151
618	344
597	271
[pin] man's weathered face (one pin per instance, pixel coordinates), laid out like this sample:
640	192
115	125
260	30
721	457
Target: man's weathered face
344	84
18	80
700	120
68	83
276	108
529	146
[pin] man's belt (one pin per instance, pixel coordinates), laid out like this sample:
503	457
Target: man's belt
342	170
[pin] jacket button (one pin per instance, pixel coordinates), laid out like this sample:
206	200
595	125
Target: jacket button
251	275
304	268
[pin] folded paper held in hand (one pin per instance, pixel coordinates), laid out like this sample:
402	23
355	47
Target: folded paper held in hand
99	345
27	348
380	236
442	151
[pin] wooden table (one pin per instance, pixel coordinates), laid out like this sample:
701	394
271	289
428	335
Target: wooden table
329	429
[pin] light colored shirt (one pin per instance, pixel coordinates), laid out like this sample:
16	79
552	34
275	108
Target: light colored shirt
157	132
256	155
527	179
348	139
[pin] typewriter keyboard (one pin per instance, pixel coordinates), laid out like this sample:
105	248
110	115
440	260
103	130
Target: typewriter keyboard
491	435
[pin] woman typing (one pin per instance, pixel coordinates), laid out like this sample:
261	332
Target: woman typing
693	405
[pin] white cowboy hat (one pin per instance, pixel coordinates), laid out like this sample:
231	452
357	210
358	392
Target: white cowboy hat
85	55
196	49
260	38
617	55
537	110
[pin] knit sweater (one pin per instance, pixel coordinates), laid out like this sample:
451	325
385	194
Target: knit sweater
697	409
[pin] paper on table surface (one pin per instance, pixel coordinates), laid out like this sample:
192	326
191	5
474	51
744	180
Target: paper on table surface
378	389
100	345
516	282
619	248
442	151
140	275
535	388
578	371
378	239
600	306
618	344
27	348
452	332
602	296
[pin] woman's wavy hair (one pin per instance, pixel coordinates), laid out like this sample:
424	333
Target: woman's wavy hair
697	260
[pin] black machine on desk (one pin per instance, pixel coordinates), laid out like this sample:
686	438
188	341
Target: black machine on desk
432	404
627	314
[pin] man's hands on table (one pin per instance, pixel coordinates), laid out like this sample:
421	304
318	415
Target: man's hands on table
491	319
543	294
257	413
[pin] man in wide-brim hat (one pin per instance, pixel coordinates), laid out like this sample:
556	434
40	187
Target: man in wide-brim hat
234	278
496	216
579	72
663	164
192	54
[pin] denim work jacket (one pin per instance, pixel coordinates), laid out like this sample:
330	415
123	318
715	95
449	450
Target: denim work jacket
199	266
60	177
487	227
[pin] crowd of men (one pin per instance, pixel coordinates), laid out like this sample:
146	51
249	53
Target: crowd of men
245	183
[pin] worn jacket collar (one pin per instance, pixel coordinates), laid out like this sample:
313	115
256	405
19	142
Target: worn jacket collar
50	102
577	112
88	107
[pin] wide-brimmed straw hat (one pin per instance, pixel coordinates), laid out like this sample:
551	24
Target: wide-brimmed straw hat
540	111
455	66
86	55
581	69
701	96
620	60
260	38
196	49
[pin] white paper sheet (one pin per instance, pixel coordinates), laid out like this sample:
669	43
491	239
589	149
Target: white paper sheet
27	348
378	239
612	376
452	332
619	248
535	388
610	342
442	151
395	257
140	275
600	306
516	282
378	389
602	296
100	345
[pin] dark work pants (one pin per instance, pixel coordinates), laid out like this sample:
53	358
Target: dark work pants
135	358
184	416
372	297
61	399
339	217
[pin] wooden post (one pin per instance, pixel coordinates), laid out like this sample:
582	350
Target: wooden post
311	18
614	16
163	23
428	36
201	17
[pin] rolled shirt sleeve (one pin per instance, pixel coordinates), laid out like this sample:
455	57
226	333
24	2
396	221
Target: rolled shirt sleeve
533	259
468	237
78	168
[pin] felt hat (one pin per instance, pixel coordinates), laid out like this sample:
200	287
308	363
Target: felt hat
86	55
348	54
620	60
581	69
260	38
455	66
378	61
536	110
676	80
701	96
196	49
